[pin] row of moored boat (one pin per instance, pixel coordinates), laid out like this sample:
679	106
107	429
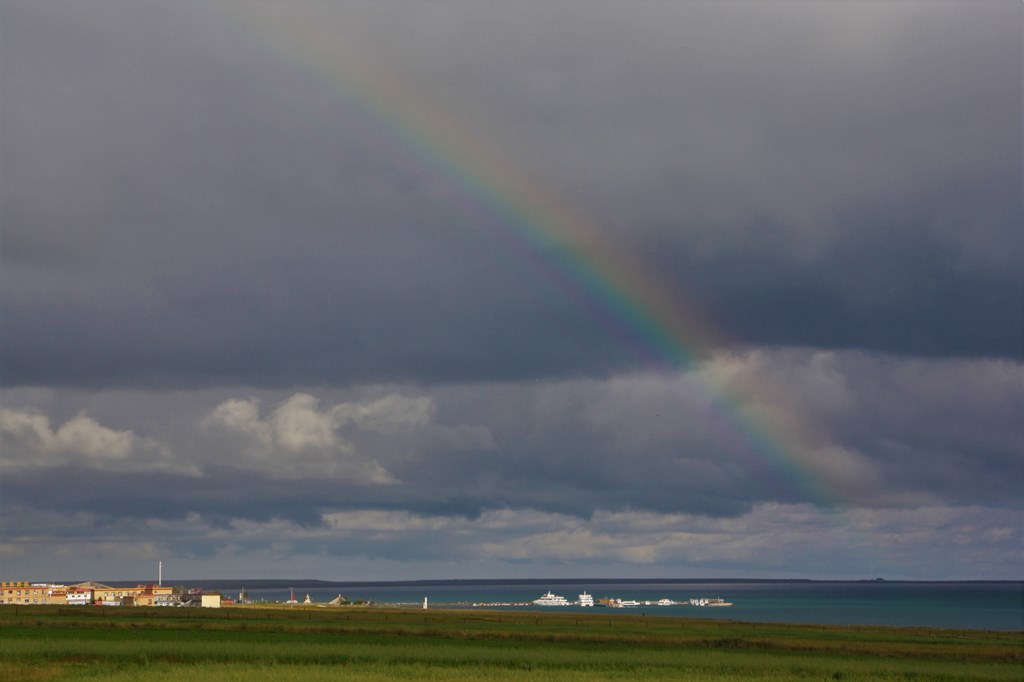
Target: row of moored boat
551	599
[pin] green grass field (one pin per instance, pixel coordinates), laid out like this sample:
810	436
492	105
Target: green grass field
246	643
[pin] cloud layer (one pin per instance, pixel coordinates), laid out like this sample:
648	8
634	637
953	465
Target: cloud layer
543	470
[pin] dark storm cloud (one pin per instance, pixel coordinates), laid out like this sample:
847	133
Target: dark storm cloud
826	174
183	205
245	315
889	283
952	424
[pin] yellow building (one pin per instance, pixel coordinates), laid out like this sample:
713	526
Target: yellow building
150	595
105	594
22	592
140	595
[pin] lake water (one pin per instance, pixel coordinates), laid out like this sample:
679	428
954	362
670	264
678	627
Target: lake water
983	606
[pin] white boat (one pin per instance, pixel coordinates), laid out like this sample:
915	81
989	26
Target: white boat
549	599
586	599
714	601
666	602
628	602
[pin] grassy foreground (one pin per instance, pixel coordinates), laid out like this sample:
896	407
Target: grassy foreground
372	645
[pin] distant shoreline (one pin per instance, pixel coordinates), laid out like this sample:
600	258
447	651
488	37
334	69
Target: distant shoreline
278	583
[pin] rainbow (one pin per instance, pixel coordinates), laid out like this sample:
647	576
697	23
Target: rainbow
651	317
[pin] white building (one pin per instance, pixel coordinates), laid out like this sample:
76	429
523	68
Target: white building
79	597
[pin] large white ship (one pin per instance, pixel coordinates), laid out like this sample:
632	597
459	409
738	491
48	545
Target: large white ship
549	599
586	599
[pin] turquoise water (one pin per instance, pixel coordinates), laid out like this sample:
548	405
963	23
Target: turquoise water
983	606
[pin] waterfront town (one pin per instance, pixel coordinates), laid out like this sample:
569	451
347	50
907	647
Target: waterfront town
83	594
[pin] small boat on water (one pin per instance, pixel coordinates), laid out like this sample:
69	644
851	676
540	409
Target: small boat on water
551	599
714	601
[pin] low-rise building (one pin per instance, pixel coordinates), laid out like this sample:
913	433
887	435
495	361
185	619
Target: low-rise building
23	592
148	594
140	595
169	599
59	595
79	596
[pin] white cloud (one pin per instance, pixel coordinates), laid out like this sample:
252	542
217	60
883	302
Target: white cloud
241	417
298	424
29	440
386	521
392	413
89	437
27	430
772	535
771	540
300	437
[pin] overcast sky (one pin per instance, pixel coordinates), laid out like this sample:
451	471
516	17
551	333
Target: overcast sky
409	290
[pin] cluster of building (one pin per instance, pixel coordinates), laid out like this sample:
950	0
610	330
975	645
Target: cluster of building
82	594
